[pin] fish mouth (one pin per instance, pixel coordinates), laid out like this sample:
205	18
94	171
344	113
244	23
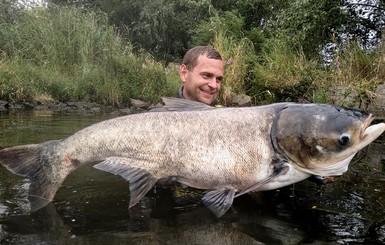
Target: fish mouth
366	125
369	132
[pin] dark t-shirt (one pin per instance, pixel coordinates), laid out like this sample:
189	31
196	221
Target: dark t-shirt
180	95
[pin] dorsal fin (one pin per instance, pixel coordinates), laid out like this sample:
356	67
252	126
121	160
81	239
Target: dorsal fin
178	104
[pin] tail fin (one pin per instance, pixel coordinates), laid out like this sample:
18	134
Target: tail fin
32	162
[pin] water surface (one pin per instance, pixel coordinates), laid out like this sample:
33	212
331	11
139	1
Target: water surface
91	206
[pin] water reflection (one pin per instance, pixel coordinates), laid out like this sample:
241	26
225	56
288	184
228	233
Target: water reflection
91	206
197	226
37	126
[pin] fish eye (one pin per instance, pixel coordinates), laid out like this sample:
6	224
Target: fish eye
344	139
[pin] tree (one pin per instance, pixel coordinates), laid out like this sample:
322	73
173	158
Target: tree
368	18
161	27
254	12
311	24
8	10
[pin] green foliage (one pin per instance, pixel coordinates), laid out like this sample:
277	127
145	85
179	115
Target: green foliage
239	57
167	28
359	70
161	27
9	11
71	54
254	12
233	24
11	86
228	22
283	74
286	75
173	79
310	24
225	34
68	53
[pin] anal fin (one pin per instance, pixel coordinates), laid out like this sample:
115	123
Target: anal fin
141	181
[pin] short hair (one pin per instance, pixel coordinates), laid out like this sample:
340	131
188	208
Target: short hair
190	59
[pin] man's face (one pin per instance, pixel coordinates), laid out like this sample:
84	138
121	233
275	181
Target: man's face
204	81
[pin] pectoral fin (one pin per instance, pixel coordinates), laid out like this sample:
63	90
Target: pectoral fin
141	181
219	201
280	169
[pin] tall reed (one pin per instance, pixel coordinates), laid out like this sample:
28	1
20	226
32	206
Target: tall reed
71	54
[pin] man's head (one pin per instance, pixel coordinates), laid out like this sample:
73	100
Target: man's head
201	73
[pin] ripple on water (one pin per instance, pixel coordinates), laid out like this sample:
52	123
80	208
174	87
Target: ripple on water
3	209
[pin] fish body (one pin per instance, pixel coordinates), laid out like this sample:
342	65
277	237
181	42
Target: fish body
227	151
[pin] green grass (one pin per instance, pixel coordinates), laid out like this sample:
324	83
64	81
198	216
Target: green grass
236	55
69	54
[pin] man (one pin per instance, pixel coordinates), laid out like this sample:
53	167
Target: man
201	73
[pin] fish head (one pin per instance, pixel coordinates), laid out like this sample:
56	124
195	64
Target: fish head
322	139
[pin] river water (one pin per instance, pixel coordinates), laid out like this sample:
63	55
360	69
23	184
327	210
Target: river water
91	207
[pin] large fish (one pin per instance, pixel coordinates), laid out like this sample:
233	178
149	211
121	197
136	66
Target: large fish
227	151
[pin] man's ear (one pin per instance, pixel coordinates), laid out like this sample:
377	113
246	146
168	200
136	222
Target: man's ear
183	72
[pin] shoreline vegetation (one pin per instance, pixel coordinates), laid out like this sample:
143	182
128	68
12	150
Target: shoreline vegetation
49	57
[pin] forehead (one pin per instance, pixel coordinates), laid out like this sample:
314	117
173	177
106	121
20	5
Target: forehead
205	64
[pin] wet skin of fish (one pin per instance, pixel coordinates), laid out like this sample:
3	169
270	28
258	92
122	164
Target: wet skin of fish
227	151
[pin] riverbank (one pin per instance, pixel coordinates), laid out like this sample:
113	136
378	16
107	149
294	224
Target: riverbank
136	106
343	96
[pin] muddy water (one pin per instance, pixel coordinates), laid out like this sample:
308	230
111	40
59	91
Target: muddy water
91	206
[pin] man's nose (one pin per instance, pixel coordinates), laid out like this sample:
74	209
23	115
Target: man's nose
214	83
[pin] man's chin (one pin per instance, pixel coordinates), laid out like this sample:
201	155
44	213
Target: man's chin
206	100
